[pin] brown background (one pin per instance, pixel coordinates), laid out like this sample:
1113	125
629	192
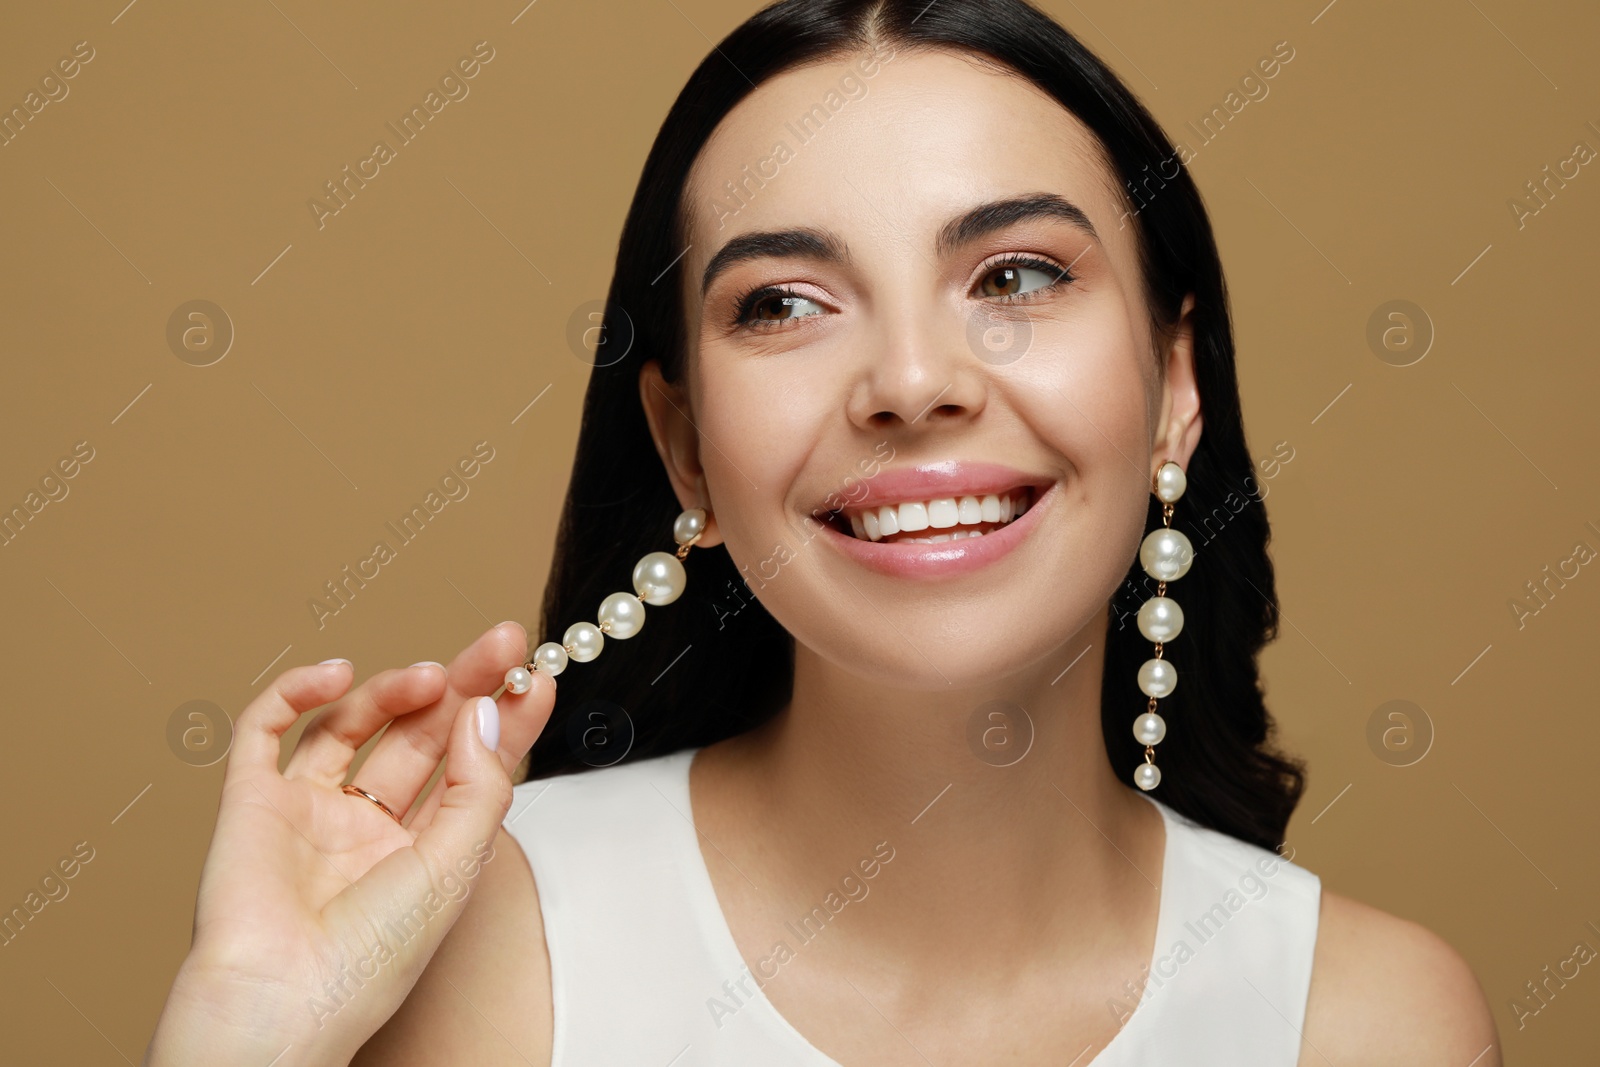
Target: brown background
372	353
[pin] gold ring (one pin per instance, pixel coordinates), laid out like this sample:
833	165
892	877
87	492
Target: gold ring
357	791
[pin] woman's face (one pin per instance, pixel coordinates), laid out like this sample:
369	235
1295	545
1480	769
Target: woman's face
908	349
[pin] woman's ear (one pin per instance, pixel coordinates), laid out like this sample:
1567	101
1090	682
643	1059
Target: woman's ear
666	409
1178	428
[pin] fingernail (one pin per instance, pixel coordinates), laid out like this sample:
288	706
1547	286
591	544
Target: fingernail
489	723
325	662
428	663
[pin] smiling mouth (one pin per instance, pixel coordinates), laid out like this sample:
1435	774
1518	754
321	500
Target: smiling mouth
935	519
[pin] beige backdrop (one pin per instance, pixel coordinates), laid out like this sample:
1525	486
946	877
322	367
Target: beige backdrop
363	354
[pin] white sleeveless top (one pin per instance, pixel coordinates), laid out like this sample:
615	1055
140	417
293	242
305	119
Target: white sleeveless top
640	950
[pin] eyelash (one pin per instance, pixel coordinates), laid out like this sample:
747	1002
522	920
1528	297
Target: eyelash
744	305
1062	276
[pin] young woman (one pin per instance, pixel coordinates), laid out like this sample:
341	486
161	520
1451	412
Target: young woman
953	750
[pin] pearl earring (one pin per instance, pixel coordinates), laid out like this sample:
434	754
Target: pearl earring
658	578
1165	556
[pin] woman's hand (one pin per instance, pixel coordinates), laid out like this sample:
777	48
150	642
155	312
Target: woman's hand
316	911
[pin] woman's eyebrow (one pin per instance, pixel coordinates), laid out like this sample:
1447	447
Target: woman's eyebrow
998	214
802	243
965	228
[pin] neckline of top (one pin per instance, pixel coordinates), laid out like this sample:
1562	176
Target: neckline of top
725	947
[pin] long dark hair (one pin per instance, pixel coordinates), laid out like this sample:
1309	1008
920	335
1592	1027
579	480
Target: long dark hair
716	664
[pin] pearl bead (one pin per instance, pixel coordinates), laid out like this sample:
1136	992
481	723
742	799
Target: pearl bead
1166	554
1149	728
1160	619
689	524
518	680
550	658
1170	482
1157	678
621	614
585	640
659	578
1147	777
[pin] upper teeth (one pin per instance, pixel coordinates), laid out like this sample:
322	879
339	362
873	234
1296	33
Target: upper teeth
874	524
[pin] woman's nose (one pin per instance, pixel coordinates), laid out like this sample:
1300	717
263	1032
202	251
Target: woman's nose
921	372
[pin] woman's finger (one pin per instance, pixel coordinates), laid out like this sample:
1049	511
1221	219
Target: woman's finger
258	735
423	887
522	718
330	741
405	757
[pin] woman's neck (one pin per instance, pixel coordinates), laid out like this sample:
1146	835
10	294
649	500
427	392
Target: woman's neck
1008	850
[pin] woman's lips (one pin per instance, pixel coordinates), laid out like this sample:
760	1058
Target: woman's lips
909	559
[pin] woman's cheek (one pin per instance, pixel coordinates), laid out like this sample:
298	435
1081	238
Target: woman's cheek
1077	400
751	448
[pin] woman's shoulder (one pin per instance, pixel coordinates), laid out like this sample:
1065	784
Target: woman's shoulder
485	996
1382	990
1385	990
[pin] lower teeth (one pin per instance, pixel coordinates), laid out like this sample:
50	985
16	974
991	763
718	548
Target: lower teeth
949	535
953	536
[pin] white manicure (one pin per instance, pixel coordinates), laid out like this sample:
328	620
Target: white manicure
489	723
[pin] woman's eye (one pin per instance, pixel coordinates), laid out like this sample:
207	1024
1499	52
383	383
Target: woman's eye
773	306
1018	279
